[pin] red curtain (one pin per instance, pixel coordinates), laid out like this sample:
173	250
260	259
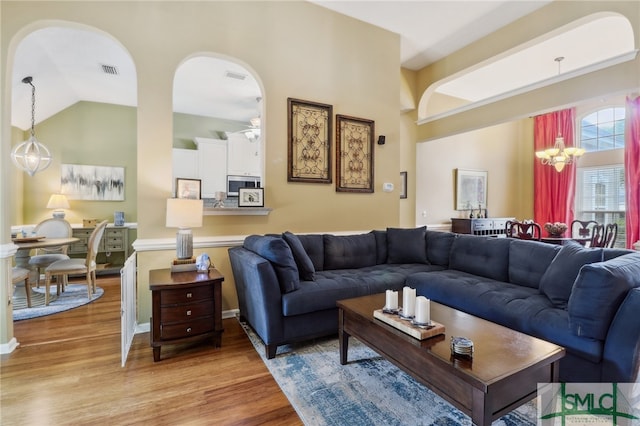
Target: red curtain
554	192
632	169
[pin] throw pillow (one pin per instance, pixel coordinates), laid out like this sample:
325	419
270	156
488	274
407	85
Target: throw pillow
558	279
598	293
303	261
407	245
349	251
276	251
381	246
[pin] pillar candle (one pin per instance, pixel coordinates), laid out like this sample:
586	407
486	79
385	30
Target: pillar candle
392	300
423	310
408	301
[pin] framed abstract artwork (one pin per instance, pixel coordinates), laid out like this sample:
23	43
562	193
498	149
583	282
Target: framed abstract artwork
471	189
309	136
354	154
99	183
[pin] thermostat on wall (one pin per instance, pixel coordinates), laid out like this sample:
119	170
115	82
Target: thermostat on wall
387	187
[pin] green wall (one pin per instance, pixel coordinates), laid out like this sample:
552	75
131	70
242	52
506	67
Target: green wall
92	134
187	126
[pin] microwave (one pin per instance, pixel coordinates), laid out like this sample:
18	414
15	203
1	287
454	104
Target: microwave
234	183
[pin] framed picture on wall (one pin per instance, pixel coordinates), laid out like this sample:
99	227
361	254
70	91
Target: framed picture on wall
251	197
471	189
403	185
354	154
309	137
188	188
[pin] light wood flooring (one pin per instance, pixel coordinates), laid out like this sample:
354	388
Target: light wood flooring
67	371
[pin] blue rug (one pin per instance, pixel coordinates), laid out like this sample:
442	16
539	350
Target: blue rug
367	391
75	295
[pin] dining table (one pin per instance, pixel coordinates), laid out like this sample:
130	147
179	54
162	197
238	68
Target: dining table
564	240
26	244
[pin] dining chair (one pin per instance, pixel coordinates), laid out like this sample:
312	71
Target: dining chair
63	268
582	228
50	228
597	236
610	235
524	230
21	275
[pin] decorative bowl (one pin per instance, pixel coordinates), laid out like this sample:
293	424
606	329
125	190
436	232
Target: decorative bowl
555	229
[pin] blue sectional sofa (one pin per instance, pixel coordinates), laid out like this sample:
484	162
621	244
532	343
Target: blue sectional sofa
586	300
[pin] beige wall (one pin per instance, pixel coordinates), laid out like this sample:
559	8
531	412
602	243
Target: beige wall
294	49
505	151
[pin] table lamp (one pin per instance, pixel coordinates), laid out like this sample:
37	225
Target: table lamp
58	202
184	214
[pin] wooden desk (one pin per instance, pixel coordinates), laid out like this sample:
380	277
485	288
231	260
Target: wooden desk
185	305
564	240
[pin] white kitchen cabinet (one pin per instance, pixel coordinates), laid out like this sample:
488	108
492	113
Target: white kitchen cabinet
212	165
243	157
185	165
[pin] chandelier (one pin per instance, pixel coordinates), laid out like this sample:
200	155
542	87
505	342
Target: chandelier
559	155
31	156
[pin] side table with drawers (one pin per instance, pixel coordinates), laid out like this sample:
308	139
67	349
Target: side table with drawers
185	306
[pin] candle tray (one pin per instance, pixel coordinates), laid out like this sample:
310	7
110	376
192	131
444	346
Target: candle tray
406	327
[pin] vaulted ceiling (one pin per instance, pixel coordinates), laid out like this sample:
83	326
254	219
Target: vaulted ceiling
71	65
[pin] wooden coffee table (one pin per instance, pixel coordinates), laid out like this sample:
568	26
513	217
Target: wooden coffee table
502	375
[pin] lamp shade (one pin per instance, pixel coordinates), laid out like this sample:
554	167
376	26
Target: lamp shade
58	201
184	213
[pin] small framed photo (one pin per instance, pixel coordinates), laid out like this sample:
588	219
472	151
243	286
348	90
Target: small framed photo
188	188
403	185
251	197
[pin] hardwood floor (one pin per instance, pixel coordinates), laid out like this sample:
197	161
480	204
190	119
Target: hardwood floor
67	371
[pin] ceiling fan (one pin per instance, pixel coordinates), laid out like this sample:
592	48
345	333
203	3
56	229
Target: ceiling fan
253	129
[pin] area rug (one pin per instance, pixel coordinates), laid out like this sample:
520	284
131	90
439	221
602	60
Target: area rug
367	391
74	295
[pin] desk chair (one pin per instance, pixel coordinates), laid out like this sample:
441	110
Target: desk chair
50	228
63	268
19	275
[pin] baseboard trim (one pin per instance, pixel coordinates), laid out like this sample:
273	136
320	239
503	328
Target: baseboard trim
7	348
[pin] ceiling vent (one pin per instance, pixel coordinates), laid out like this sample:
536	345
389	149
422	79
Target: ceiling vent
236	75
109	69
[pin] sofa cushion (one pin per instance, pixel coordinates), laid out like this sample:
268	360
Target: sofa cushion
349	251
407	245
484	256
314	247
612	253
337	284
529	260
598	292
276	251
557	281
381	246
439	247
302	259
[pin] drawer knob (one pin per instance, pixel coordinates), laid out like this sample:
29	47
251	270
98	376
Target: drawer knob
189	295
188	329
189	313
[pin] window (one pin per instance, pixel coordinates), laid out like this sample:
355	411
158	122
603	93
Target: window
600	189
602	130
